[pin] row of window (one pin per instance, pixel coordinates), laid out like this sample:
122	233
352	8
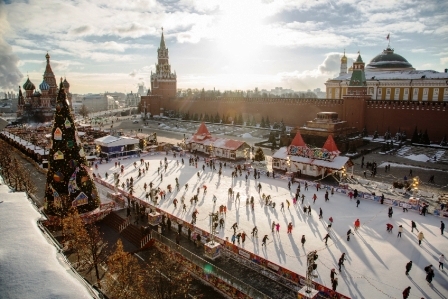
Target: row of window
423	94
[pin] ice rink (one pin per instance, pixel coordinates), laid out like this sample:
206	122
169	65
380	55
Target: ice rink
375	259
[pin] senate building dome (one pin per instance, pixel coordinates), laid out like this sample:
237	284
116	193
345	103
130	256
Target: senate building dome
388	60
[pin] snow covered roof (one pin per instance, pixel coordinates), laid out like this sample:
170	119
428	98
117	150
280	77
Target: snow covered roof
216	142
337	163
31	266
109	140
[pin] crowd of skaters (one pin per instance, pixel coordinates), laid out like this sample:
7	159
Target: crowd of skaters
239	237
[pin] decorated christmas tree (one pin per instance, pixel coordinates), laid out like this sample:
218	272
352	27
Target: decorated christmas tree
69	181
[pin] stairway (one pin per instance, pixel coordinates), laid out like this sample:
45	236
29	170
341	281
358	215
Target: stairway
113	221
133	234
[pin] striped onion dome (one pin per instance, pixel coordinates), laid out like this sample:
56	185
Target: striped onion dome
28	85
44	85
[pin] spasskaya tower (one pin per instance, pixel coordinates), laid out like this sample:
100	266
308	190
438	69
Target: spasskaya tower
163	81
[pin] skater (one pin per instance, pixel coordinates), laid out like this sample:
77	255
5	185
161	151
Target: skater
400	230
408	267
357	202
389	227
340	264
282	207
263	242
233	239
290	228
334	284
349	232
309	210
326	238
243	237
332	274
277	227
303	240
314	198
420	238
390	212
320	213
442	227
234	226
430	275
406	292
441	261
413	225
303	198
254	232
357	224
273	226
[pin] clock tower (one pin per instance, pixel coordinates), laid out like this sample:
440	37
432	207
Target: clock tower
163	81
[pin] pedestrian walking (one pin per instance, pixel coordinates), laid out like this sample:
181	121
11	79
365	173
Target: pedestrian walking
406	292
326	238
303	240
420	238
441	261
442	227
408	267
263	242
413	226
400	230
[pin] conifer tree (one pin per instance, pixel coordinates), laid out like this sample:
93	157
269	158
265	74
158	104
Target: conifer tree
259	155
217	119
415	137
268	124
69	182
262	124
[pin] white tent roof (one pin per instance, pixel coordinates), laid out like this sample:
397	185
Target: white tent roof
115	141
337	163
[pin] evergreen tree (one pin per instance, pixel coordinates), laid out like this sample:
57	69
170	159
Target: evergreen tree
240	119
262	124
68	174
206	118
217	119
425	138
268	124
195	117
443	142
259	155
415	138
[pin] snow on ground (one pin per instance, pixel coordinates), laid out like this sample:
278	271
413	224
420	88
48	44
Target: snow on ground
375	262
30	265
382	165
247	135
420	158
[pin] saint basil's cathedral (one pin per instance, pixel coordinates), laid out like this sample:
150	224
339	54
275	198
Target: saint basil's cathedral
35	105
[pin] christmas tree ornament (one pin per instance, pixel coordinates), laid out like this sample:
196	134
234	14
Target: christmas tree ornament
58	156
58	107
72	186
58	177
73	163
67	123
80	200
70	143
57	135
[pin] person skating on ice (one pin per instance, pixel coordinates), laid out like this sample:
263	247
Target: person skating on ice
408	267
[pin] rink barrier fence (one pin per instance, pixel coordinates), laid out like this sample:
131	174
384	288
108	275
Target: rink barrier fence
217	277
282	275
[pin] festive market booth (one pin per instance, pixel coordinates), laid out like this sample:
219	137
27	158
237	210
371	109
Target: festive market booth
116	147
203	141
315	162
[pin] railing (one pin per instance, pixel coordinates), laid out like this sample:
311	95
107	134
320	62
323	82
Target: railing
217	272
124	225
145	240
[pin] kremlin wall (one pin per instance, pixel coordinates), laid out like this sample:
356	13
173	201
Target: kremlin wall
362	103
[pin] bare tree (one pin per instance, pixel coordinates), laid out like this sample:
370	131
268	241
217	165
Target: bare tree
83	111
124	278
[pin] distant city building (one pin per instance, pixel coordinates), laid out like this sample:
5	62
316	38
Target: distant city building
132	99
389	76
97	102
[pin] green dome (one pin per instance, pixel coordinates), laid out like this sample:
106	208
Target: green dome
389	60
28	85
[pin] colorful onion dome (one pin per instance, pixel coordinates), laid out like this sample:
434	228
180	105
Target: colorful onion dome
66	84
44	85
28	85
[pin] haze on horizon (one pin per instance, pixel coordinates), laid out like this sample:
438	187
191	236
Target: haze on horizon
103	45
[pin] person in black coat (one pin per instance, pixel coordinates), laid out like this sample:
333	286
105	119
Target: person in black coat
430	275
334	284
333	274
408	267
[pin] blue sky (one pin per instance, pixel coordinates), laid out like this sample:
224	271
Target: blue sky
108	45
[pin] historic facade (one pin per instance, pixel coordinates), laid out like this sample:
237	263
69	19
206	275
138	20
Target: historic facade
389	76
163	81
38	105
386	95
